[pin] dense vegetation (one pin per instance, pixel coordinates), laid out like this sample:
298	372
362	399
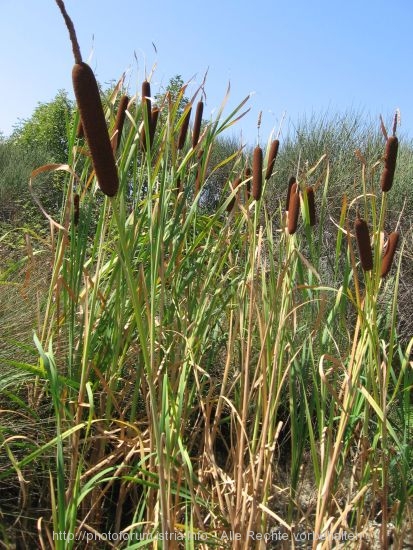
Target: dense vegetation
198	369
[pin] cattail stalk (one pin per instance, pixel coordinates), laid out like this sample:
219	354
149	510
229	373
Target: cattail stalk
257	174
92	116
197	123
363	243
272	155
390	158
389	253
120	120
184	129
293	208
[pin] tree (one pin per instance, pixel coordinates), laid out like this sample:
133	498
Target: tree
46	129
174	89
38	140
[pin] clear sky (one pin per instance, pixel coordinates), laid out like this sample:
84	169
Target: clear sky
296	56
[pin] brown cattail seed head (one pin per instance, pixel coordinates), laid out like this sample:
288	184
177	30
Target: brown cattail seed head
120	120
363	243
389	253
234	185
146	98
390	157
272	155
184	129
392	146
197	123
257	174
76	200
94	126
293	208
291	182
247	176
311	205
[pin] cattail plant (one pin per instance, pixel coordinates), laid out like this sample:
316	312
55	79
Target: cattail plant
272	155
311	205
363	243
197	123
390	157
291	182
76	200
92	115
233	186
184	129
257	173
293	208
389	253
120	120
146	99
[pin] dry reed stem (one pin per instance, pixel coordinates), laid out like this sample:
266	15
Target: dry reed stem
257	174
72	33
271	158
363	243
293	208
389	253
197	123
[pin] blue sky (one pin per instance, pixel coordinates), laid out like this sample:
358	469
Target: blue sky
297	57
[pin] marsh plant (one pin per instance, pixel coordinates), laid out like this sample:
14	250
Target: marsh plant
192	371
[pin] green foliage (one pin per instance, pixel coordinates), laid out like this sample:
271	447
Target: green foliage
175	89
47	129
